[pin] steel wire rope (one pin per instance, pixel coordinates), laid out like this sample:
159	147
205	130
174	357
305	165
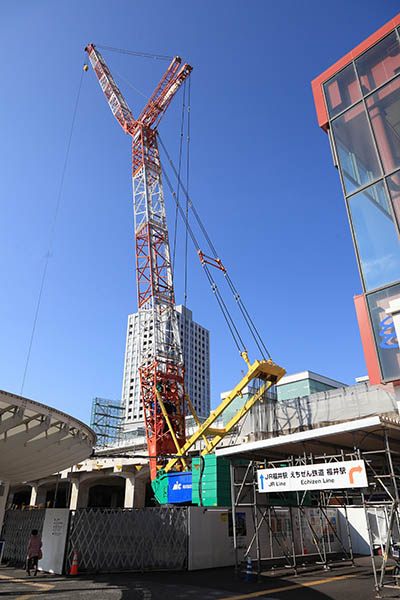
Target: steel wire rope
246	316
249	321
131	85
227	316
52	235
187	194
179	170
135	53
203	229
225	310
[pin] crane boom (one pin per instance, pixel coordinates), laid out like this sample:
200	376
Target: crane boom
115	99
164	92
160	362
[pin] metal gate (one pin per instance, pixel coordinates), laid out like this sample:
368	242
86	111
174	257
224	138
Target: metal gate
142	539
16	532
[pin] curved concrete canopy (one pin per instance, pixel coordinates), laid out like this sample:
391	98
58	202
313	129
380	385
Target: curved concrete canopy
36	440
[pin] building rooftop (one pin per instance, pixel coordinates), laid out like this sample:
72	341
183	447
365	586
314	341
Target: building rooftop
310	375
330	439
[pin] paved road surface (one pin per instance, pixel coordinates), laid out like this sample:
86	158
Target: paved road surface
342	583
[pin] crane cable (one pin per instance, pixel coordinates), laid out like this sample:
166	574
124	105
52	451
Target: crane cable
185	215
224	309
135	53
228	318
246	316
52	235
135	89
179	170
187	194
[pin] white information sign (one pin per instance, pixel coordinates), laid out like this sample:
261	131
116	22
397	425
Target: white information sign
325	476
54	536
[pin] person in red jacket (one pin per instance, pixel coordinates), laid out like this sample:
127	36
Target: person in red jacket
34	552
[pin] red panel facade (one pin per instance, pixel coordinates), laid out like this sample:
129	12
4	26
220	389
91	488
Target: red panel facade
361	93
367	340
318	82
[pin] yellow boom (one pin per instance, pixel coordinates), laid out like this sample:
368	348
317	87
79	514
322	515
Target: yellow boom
265	370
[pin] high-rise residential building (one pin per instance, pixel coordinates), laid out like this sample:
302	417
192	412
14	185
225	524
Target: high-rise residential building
195	343
358	105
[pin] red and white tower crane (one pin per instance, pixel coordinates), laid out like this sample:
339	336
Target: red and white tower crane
160	356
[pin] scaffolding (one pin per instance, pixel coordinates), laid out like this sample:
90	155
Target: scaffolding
291	529
298	527
107	421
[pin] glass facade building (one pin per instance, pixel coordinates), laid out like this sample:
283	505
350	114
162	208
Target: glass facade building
358	105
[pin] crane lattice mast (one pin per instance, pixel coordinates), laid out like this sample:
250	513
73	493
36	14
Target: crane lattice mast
160	356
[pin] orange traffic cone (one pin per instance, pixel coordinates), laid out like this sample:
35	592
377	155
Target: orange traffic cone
74	566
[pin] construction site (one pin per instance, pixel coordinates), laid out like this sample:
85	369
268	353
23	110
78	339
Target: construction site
270	481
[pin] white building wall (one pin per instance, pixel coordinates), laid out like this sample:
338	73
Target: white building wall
195	341
130	398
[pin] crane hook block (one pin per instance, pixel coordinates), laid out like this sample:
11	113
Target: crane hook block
85	67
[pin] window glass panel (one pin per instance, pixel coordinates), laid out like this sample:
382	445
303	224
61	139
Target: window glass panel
376	236
357	156
379	63
384	111
386	341
394	187
342	90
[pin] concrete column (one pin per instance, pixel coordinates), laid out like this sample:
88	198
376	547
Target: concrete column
73	503
10	499
38	495
135	492
4	487
79	495
129	492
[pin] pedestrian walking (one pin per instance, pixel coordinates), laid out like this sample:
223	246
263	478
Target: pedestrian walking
34	552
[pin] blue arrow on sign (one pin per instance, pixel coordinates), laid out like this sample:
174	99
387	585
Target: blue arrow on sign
262	481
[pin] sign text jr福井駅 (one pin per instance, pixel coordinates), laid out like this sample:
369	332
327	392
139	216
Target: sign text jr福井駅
322	476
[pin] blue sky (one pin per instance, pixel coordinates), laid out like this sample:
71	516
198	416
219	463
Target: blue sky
261	177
